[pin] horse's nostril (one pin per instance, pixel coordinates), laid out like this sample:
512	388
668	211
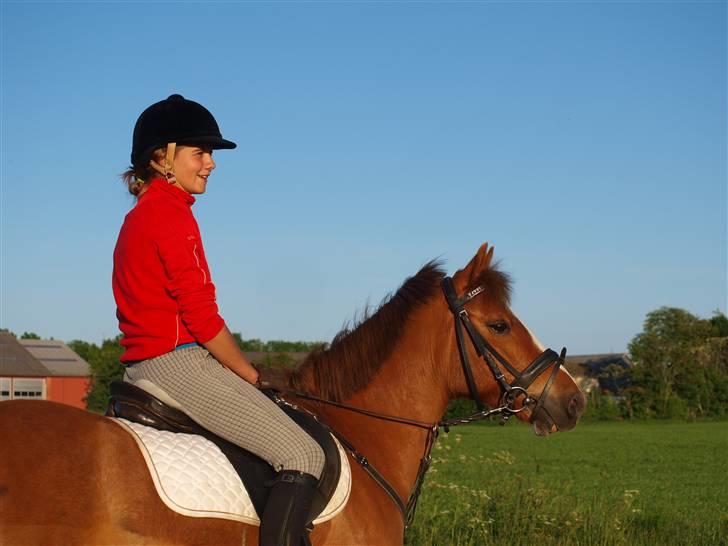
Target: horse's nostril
576	405
571	410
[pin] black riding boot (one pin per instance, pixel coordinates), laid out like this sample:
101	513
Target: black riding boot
287	511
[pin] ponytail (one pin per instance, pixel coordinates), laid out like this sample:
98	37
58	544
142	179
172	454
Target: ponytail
137	178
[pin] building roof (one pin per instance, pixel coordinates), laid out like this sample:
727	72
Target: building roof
16	360
584	364
56	357
590	371
39	358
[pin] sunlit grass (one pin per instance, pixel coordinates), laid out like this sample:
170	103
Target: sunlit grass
601	484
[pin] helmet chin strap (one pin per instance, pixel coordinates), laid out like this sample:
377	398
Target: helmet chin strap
168	170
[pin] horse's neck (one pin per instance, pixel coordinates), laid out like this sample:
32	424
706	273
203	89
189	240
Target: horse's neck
410	384
406	386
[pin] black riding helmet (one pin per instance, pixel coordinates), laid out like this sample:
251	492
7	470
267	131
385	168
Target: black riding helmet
174	119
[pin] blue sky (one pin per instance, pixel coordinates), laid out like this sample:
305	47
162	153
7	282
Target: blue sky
585	140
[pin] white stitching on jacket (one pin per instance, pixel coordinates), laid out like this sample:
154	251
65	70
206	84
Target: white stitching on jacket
197	259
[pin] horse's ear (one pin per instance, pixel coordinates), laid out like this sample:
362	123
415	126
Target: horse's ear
481	261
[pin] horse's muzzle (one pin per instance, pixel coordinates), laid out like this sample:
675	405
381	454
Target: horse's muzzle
558	414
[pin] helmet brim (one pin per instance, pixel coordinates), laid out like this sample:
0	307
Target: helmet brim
214	142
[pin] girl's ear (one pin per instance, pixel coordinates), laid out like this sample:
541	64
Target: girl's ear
162	163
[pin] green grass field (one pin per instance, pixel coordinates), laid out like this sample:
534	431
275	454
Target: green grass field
650	483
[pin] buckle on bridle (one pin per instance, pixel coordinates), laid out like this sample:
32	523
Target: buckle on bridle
511	395
509	398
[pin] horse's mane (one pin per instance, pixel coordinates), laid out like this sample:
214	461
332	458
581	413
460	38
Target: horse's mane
359	350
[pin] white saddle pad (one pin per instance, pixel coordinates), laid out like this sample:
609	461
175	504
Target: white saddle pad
194	478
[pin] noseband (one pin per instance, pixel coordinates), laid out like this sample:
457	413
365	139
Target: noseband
510	392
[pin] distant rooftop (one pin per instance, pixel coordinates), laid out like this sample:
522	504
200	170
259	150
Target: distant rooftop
16	360
581	364
57	357
592	371
39	358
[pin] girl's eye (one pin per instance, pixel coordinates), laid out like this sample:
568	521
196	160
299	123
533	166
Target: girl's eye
500	327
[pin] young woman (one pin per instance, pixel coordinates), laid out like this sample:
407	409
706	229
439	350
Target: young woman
174	336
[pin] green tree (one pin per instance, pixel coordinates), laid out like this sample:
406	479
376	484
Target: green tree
719	322
275	360
280	346
252	345
665	348
713	355
105	368
29	335
256	345
681	365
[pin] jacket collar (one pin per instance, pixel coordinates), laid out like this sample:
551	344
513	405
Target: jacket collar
160	185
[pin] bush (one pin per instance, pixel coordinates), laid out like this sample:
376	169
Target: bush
675	408
460	407
602	407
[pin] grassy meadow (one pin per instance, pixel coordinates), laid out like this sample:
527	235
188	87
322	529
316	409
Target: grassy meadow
645	483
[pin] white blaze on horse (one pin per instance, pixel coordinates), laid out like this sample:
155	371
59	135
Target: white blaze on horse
71	477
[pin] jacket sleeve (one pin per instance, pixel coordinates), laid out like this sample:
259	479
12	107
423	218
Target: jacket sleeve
188	282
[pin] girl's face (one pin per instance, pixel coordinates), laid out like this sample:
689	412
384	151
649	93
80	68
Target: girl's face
192	166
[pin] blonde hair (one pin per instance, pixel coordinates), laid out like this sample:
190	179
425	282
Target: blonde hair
136	178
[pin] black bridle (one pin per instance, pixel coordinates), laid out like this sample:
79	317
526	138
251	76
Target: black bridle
511	392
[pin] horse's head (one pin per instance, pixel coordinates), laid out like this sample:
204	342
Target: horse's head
508	365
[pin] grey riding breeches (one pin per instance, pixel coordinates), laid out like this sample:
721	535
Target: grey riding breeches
230	407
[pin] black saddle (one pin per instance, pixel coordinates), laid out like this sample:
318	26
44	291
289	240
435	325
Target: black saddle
135	404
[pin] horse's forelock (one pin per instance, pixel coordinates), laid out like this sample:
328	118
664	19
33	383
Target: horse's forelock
498	284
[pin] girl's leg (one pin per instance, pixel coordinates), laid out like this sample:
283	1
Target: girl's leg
232	408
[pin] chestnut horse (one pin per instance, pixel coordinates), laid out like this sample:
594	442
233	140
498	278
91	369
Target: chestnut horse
72	477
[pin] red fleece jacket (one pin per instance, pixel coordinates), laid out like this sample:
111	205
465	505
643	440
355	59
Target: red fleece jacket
161	280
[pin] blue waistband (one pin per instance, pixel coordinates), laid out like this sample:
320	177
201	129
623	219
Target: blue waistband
186	346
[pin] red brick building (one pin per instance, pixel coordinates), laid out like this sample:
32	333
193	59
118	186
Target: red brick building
42	369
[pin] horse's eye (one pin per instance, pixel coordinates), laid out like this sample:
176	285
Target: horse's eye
500	327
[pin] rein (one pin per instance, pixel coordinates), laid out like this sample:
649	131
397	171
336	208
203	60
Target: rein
407	509
510	394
